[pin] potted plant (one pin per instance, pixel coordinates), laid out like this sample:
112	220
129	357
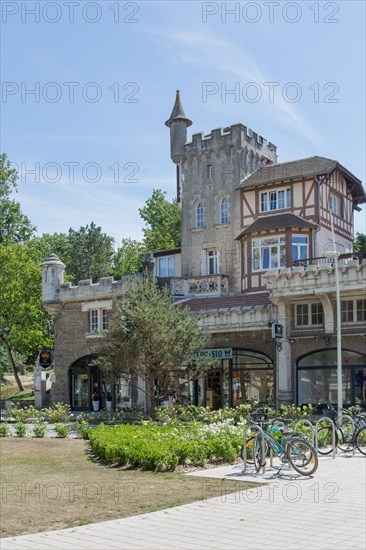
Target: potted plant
108	399
96	398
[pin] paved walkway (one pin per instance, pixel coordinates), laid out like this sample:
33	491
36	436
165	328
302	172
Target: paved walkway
291	512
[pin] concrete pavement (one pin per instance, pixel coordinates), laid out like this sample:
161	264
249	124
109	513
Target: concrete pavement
325	511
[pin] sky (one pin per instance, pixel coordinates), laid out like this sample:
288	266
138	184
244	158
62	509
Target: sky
87	87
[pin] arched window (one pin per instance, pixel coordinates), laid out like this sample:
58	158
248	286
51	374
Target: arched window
199	215
224	211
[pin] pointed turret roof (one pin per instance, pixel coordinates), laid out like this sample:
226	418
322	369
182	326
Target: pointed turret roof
178	112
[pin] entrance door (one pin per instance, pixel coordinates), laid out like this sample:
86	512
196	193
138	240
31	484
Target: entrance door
85	381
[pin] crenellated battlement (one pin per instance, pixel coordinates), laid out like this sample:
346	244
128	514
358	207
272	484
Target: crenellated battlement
106	286
237	135
316	279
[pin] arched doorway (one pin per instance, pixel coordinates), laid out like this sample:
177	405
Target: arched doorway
85	381
316	377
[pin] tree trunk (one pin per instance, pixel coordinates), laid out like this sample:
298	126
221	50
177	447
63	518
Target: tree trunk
12	364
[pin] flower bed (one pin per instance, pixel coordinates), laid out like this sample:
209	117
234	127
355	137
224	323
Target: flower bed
161	448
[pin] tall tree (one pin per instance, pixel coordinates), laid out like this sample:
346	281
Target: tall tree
21	310
90	253
150	337
56	243
15	227
359	244
163	222
128	258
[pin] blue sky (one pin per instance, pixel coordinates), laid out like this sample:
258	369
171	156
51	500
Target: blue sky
105	75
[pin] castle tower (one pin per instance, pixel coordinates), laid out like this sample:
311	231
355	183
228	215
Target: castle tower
52	277
178	124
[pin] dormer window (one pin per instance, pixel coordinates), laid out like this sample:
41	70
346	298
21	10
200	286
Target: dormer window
275	200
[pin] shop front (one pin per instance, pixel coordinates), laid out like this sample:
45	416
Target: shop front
243	376
316	375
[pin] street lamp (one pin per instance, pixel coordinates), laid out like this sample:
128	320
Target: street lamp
335	255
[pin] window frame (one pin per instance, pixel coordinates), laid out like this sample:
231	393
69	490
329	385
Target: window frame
334	196
353	311
281	252
224	211
169	268
200	215
308	311
212	257
299	246
97	321
209	172
271	196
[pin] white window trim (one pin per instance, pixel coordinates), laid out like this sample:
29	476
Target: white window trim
166	258
338	200
300	245
309	324
203	215
268	209
96	304
100	330
227	211
278	237
354	311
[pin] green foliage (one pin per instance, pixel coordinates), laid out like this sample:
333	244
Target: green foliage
90	253
359	244
40	429
151	337
21	301
62	430
4	430
192	413
15	227
20	429
82	429
23	414
58	412
57	243
155	447
163	222
128	258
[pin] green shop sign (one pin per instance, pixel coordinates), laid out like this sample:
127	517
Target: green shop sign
215	353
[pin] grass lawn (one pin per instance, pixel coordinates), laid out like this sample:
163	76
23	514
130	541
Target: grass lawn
54	483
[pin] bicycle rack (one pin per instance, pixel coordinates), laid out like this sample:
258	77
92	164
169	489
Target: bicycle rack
245	447
308	423
340	418
334	446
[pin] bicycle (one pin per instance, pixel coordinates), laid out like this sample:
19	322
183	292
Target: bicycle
293	449
347	434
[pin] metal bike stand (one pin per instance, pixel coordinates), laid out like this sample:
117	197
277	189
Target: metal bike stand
341	417
245	447
308	423
334	446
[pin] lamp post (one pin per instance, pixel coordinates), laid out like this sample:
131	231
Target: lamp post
335	255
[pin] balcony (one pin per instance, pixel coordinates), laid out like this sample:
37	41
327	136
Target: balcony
205	285
327	260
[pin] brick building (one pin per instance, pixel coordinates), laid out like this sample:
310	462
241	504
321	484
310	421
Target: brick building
256	237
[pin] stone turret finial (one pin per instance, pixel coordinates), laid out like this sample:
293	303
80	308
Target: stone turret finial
178	113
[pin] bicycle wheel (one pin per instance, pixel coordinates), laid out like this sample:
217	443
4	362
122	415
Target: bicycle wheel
259	455
249	444
345	435
325	440
302	456
361	440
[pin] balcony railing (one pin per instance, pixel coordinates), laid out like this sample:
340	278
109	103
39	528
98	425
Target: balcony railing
208	285
343	258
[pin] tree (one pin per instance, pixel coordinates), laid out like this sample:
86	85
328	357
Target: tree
359	244
128	258
163	222
90	253
15	227
56	243
150	337
21	308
